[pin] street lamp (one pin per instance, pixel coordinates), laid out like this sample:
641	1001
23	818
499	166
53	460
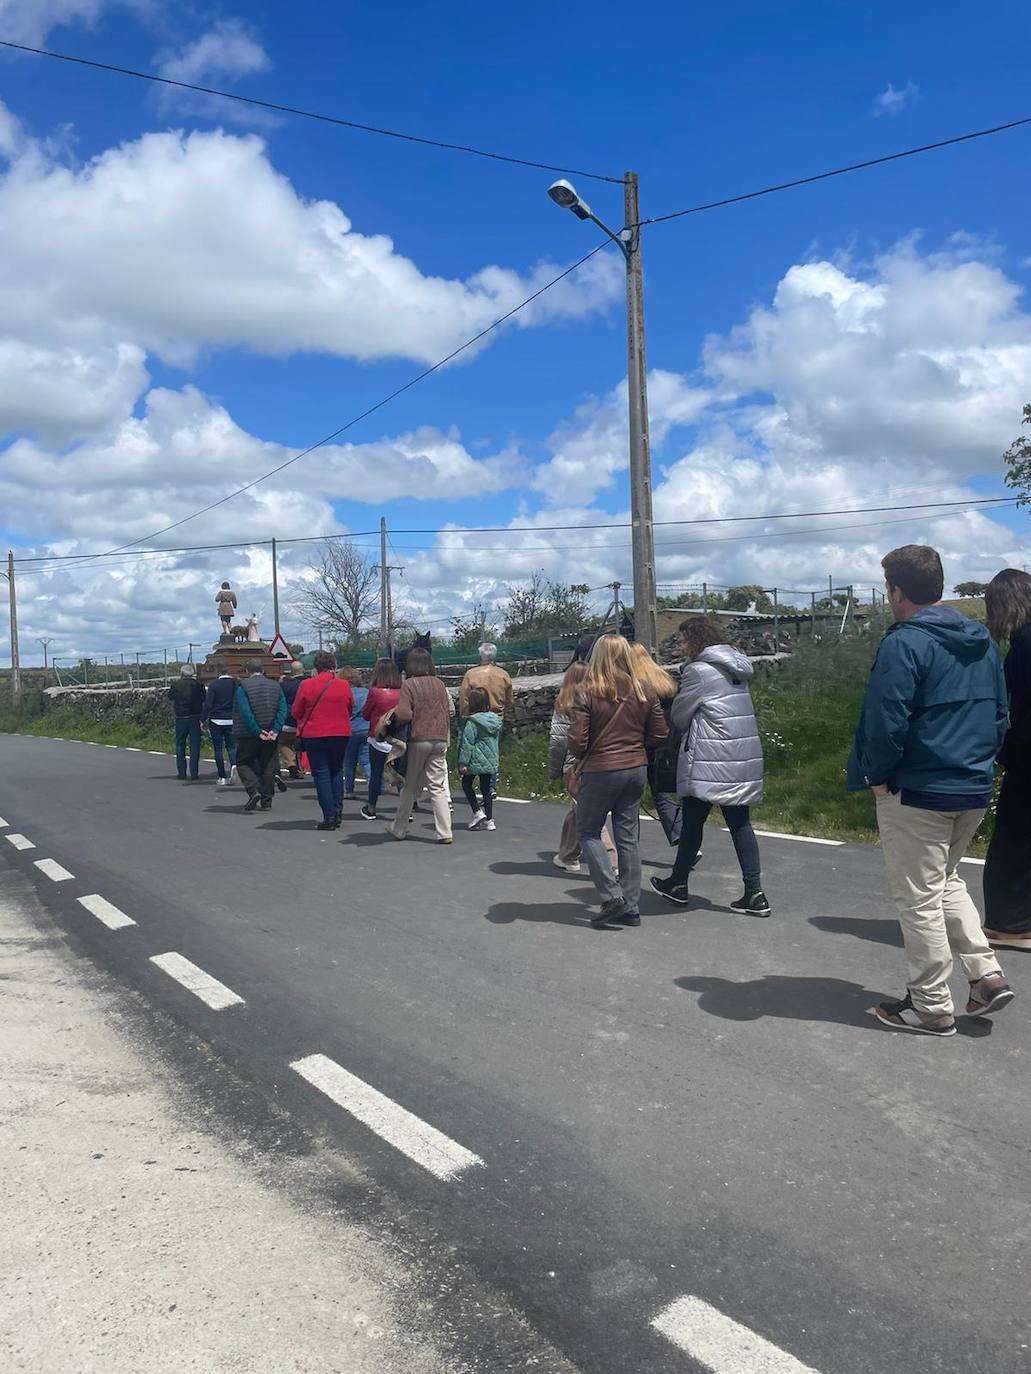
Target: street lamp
565	195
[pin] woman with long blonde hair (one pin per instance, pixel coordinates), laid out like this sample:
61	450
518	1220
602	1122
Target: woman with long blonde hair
667	807
1007	869
615	719
561	764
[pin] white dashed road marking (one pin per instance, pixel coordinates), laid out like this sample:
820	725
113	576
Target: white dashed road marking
424	1144
19	841
106	912
53	870
979	862
722	1345
132	749
517	801
201	984
3	823
804	839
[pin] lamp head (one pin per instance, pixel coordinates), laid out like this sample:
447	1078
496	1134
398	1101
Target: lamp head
564	194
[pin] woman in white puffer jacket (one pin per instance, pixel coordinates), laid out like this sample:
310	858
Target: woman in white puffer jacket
720	761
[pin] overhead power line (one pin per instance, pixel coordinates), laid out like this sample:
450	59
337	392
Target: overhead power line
837	172
355	535
65	562
303	114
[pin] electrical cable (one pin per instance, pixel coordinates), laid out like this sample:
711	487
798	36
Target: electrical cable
836	172
304	114
970	503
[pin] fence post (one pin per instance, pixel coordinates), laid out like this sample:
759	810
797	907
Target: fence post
812	613
705	598
776	618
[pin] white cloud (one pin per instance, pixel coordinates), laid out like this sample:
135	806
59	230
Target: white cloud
30	21
181	242
893	102
226	52
855	385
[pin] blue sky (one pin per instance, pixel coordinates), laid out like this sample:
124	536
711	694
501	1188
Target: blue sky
702	103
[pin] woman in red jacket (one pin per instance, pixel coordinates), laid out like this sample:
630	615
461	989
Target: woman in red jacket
322	709
384	692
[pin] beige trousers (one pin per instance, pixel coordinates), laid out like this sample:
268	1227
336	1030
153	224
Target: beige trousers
922	850
426	764
288	749
569	844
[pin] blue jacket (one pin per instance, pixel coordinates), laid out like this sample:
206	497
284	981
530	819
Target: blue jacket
359	725
934	715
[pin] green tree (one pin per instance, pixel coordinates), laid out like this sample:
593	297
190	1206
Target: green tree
742	599
1018	460
970	588
540	607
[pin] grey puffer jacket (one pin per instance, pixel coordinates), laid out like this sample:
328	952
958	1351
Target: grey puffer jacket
721	758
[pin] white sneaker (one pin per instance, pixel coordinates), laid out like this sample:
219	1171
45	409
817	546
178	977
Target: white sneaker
478	817
221	783
232	773
489	825
569	868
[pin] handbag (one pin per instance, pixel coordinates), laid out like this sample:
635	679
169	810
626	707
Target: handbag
663	767
577	770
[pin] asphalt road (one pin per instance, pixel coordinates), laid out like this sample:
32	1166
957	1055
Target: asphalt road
703	1106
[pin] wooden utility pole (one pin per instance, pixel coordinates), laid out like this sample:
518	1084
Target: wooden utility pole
643	533
275	588
15	659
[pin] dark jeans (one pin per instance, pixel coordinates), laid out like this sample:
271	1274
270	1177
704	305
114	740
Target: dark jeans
695	813
256	763
618	793
222	737
377	763
1007	868
486	787
326	760
187	728
357	752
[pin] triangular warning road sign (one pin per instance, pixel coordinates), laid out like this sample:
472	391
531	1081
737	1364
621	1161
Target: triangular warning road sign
279	648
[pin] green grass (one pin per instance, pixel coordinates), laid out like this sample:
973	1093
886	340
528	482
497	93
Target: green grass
62	723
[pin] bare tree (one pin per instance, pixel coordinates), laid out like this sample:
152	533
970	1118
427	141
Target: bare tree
343	595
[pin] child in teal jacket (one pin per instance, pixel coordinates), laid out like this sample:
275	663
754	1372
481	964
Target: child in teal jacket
478	736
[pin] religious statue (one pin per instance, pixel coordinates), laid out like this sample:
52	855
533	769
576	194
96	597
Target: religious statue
252	629
225	600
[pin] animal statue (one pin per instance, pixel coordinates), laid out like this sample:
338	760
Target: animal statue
420	642
240	633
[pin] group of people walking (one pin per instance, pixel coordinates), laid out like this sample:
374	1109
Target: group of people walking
939	711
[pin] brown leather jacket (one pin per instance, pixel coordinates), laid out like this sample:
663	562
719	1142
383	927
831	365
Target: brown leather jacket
640	726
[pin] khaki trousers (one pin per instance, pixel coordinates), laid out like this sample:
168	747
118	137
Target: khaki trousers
426	763
569	845
922	850
288	749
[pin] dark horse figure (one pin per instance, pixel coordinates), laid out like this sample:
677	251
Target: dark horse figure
420	642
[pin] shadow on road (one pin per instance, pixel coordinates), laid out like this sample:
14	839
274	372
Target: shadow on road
307	824
544	864
881	932
564	914
801	999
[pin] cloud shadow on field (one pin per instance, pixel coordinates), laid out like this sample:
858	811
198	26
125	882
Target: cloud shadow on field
881	931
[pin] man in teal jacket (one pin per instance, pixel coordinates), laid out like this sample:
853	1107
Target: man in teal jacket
259	710
932	724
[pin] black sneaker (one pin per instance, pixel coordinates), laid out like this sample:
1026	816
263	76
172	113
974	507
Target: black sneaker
251	803
279	782
673	892
368	815
326	825
752	904
629	918
610	912
266	803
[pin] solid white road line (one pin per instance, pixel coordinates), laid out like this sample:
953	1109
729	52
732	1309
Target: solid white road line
19	841
201	984
3	823
803	839
443	1157
104	911
53	870
979	862
723	1345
